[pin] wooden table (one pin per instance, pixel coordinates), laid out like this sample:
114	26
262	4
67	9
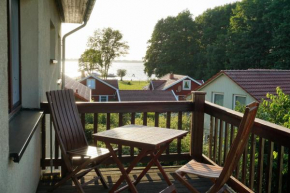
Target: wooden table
151	140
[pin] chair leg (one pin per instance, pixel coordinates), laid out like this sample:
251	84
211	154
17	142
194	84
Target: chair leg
78	185
98	172
180	178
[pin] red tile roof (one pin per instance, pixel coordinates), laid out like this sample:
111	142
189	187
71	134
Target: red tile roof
81	91
166	81
113	83
257	82
146	95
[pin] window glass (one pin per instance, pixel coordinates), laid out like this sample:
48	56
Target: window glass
186	85
218	99
103	98
239	99
14	55
91	83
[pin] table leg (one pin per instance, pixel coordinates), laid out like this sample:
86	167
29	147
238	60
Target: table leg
152	161
122	169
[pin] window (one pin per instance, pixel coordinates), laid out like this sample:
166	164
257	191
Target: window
14	78
239	99
103	98
186	85
218	98
91	83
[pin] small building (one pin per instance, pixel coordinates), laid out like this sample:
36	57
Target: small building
229	86
181	85
102	90
147	95
82	92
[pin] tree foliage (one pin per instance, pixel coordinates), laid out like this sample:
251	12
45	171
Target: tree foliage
241	35
104	46
121	73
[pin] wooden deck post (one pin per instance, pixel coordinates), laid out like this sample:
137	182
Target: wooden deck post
197	125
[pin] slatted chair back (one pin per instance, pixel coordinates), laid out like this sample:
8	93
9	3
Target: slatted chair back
237	147
66	120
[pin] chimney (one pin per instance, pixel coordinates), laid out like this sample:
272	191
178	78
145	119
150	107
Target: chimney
171	76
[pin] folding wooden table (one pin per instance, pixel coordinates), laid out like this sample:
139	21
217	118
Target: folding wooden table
151	140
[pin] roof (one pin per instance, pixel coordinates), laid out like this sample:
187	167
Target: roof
147	95
257	82
165	82
113	83
81	91
75	11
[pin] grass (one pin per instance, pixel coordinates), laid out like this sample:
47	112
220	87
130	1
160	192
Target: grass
132	85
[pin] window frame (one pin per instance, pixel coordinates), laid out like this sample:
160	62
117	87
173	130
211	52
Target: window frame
100	98
13	108
91	79
189	84
217	93
234	99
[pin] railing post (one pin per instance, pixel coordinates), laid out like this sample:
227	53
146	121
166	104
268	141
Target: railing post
197	125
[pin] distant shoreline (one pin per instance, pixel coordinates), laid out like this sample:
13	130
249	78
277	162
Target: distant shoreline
117	61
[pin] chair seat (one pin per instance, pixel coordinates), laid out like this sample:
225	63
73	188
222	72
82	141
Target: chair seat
90	151
200	169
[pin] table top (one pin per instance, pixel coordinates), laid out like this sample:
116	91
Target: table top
140	136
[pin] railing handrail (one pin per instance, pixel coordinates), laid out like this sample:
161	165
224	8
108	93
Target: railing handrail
130	107
265	129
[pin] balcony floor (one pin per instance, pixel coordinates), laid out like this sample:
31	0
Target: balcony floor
151	182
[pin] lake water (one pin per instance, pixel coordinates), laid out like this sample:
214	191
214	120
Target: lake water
135	70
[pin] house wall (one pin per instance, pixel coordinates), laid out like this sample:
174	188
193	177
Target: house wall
183	93
225	85
37	77
101	89
4	148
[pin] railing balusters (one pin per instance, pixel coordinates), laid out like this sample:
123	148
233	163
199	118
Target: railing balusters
280	167
244	165
120	124
226	140
252	162
56	148
269	166
179	128
220	142
260	164
168	119
156	119
108	121
133	118
145	118
83	120
232	134
210	138
132	122
215	139
96	122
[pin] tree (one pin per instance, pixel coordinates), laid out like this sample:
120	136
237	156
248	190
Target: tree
172	46
105	45
121	73
90	61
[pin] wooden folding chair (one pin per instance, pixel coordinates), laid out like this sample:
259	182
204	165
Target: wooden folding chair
72	140
221	175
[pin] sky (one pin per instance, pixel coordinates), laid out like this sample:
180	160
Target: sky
135	19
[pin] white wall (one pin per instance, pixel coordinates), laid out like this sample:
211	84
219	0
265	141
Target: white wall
225	85
4	148
38	76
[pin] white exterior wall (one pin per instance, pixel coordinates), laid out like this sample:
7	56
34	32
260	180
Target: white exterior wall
38	76
225	85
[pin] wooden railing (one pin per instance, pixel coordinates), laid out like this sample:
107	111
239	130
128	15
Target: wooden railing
261	166
212	130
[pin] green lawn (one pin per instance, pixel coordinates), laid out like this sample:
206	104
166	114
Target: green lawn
132	85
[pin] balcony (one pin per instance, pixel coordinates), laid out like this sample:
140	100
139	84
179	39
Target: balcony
262	168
